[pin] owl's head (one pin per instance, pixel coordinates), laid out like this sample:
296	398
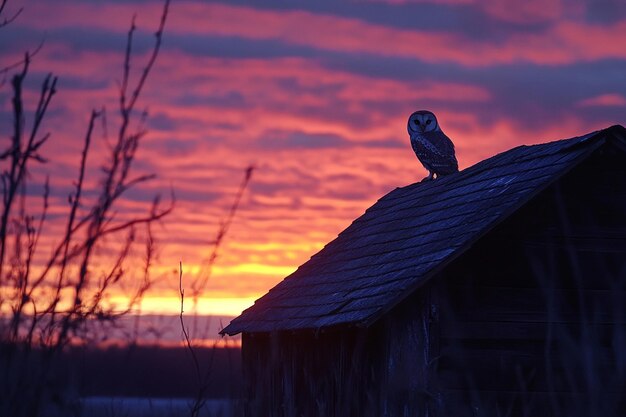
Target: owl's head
422	121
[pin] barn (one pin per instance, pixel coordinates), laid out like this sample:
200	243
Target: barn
496	291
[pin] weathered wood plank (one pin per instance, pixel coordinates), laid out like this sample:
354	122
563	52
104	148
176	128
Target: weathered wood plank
461	403
526	305
454	331
509	370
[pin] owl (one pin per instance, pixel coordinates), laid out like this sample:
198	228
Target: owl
432	147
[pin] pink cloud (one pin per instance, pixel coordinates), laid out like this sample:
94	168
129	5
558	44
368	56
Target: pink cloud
272	106
529	11
604	100
402	2
564	42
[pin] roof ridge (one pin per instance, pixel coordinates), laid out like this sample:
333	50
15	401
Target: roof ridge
482	165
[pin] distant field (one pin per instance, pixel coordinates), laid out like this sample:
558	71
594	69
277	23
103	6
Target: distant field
138	380
150	407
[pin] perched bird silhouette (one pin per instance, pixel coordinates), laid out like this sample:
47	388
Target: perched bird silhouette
433	148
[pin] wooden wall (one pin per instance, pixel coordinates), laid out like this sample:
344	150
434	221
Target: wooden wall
533	318
308	373
347	371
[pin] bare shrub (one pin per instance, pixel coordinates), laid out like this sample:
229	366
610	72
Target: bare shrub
50	297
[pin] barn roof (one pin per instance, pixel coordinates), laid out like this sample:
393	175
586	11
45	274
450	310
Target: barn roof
409	235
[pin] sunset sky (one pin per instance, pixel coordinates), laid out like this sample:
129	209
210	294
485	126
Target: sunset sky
314	94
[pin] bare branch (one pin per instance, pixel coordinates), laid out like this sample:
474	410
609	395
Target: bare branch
199	400
155	51
4	71
75	203
142	220
8	20
126	71
11	178
201	281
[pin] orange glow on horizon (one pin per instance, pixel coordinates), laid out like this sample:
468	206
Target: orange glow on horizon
206	306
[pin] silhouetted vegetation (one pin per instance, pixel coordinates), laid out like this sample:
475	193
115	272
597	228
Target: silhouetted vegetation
49	295
150	371
204	373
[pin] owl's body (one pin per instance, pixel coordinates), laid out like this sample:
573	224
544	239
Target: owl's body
433	148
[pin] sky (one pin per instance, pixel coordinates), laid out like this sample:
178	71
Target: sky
315	95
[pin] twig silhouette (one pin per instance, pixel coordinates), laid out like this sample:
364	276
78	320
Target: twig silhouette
198	285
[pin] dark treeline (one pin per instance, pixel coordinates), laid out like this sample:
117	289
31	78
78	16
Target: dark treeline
145	371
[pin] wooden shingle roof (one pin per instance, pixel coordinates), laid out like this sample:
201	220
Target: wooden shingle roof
409	235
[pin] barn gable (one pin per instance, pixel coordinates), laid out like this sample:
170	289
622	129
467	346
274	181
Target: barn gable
411	234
